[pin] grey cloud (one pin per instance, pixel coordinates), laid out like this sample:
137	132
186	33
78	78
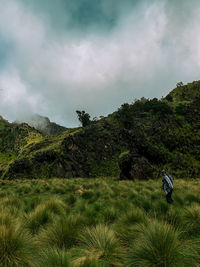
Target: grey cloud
82	14
97	62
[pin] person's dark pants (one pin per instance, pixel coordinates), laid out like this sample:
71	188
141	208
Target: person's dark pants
169	197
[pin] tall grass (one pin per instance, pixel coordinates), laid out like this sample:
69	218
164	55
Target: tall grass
62	233
191	220
126	224
55	205
99	243
16	246
111	223
91	263
52	257
37	219
159	244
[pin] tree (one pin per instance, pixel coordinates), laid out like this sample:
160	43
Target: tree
83	117
125	116
179	84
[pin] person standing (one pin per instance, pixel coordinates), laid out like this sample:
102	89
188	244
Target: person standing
167	185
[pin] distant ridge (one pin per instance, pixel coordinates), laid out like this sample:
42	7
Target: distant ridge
43	124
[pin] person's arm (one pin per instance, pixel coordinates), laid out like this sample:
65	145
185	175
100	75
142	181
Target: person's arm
170	178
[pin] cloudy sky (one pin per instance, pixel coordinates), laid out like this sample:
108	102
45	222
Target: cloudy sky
94	55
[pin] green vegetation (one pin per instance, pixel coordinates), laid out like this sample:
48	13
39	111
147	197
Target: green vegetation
184	93
157	133
98	222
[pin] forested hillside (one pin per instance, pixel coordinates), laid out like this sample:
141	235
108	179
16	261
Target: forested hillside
153	134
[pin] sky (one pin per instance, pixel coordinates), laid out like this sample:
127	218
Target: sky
60	56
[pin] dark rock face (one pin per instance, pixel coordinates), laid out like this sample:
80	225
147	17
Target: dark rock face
91	145
48	156
125	165
68	170
59	170
132	167
19	167
141	169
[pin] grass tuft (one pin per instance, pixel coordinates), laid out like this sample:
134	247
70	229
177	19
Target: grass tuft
62	233
52	257
158	244
37	219
191	220
99	243
16	246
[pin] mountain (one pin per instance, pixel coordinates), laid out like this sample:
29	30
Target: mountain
147	136
43	124
14	138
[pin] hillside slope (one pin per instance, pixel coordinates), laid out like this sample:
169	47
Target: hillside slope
157	133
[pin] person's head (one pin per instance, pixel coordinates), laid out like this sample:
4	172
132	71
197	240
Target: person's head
163	172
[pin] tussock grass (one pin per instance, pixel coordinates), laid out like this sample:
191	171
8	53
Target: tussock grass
134	216
110	223
158	244
174	216
91	263
16	246
38	218
62	233
99	243
52	257
126	226
191	220
7	219
110	214
54	205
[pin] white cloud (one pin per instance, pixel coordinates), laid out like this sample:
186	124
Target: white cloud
15	98
54	75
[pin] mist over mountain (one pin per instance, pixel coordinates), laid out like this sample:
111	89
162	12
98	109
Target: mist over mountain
42	124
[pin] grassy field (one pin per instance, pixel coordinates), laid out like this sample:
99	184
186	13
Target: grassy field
98	222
